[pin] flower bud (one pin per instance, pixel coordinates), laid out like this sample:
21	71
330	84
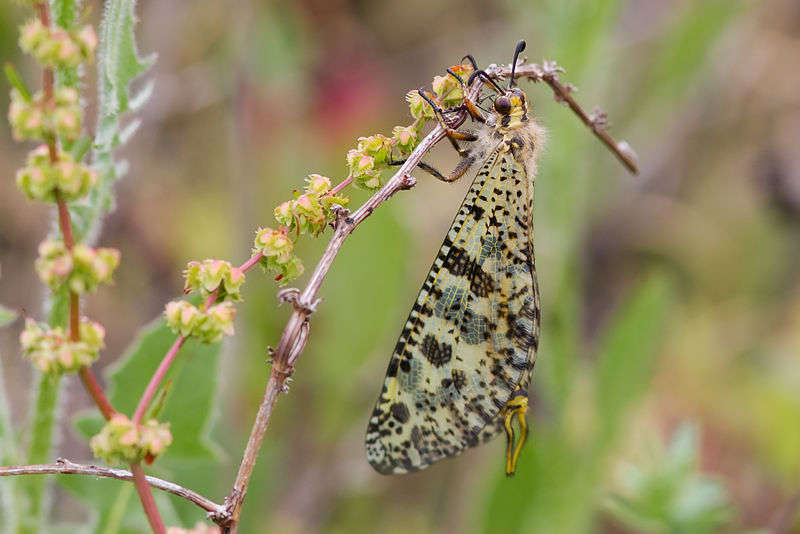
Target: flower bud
448	90
371	180
182	317
218	322
41	179
405	138
51	350
214	275
376	146
120	441
419	108
56	47
317	185
283	214
273	243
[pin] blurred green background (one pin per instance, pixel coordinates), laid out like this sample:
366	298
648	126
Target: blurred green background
666	397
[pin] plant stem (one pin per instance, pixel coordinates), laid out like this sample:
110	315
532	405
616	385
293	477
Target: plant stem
295	333
148	502
32	491
96	392
172	353
294	336
156	379
66	467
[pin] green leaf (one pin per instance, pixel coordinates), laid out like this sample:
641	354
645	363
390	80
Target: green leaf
627	352
668	495
65	15
7	316
555	488
31	490
115	507
16	81
119	66
189	405
8	456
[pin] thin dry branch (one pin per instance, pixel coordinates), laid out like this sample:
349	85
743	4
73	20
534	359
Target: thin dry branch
294	336
66	467
597	121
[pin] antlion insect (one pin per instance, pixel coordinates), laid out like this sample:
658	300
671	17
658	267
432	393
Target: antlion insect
460	370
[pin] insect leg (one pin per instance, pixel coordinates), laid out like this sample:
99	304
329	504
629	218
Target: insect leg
452	133
471	107
457	173
516	406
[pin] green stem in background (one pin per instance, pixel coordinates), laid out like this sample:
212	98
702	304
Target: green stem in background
31	496
117	513
8	456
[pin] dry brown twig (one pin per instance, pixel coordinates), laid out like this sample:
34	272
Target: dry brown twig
66	467
295	333
294	336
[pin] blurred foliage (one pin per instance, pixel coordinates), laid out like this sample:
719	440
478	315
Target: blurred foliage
668	495
666	297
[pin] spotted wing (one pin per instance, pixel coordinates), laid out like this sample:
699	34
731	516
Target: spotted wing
472	334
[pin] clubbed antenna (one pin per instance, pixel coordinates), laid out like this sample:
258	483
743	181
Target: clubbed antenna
519	49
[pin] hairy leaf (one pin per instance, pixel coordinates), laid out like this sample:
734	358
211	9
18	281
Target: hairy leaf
119	65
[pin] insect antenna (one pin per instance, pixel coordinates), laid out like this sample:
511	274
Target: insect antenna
520	48
456	76
471	60
485	77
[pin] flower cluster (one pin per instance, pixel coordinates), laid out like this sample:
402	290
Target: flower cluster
186	319
31	119
82	269
52	351
56	47
120	441
276	254
310	211
214	275
41	179
366	162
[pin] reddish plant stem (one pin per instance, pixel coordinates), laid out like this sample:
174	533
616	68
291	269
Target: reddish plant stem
148	502
156	379
74	317
254	259
172	353
96	392
344	183
87	377
65	224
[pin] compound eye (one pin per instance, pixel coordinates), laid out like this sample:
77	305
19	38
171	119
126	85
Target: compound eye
502	105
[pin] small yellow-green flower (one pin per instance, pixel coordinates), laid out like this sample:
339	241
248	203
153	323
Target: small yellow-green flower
214	275
42	179
276	250
82	269
56	47
419	108
51	350
405	138
120	441
317	185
